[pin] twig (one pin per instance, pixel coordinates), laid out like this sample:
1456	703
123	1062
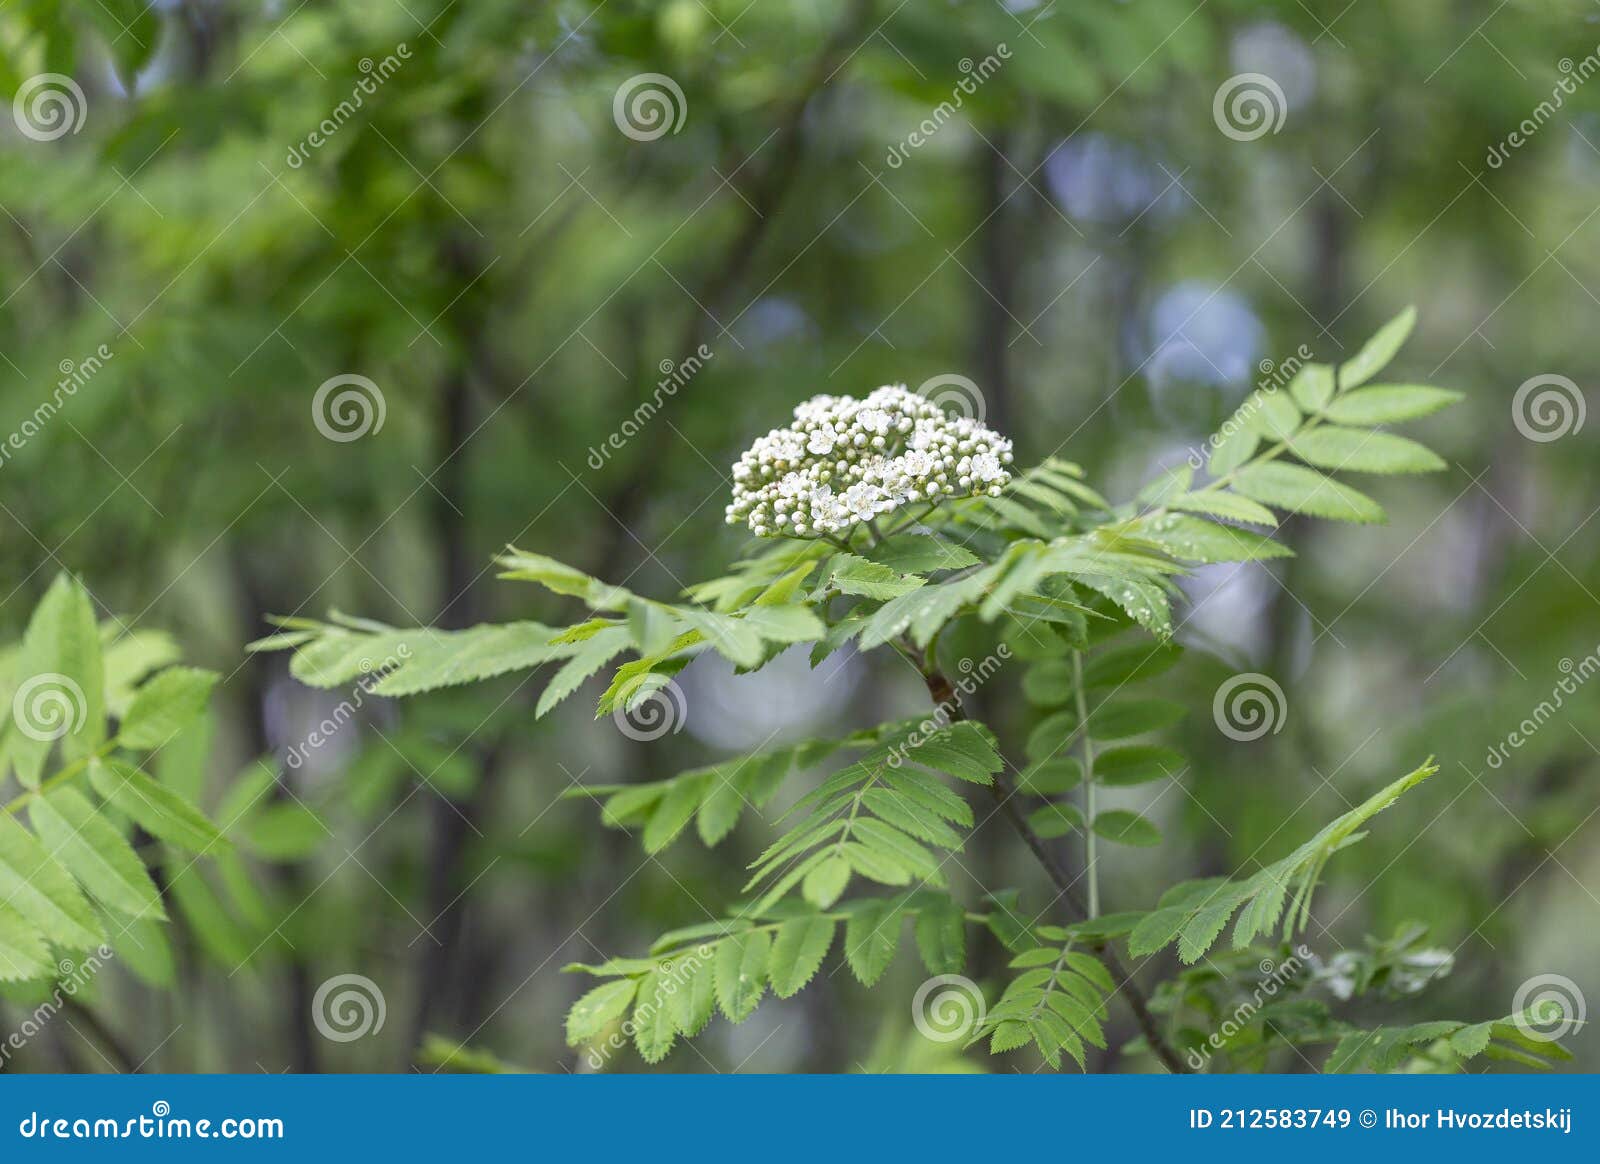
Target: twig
1004	792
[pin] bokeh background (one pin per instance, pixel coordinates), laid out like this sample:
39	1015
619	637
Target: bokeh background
510	252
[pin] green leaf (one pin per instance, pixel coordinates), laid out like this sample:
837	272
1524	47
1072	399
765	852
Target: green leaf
1195	539
1312	387
1116	666
1055	820
1275	415
1390	404
95	853
1301	490
1048	684
653	1022
1377	351
797	952
824	884
596	1010
23	954
1360	451
285	832
159	810
1233	445
1218	503
1137	764
164	706
871	937
1126	828
741	973
1051	777
60	694
595	653
691	991
941	936
910	553
853	575
675	810
1118	719
40	890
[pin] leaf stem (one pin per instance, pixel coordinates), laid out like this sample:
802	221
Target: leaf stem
65	774
1091	870
1005	793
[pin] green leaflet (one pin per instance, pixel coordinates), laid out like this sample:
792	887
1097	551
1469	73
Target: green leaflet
95	853
1126	828
871	937
160	811
597	1009
1300	490
164	706
1312	387
1376	353
853	575
910	553
42	894
23	953
741	973
1195	915
1390	404
1359	451
941	937
797	951
60	683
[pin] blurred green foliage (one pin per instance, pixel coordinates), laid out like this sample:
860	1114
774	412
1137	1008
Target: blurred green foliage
480	240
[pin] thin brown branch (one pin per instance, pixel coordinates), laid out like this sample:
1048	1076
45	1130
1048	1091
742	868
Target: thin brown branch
1005	793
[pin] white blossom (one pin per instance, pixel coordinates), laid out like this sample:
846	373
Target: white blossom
845	461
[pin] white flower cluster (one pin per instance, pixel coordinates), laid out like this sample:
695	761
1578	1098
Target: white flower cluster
845	460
